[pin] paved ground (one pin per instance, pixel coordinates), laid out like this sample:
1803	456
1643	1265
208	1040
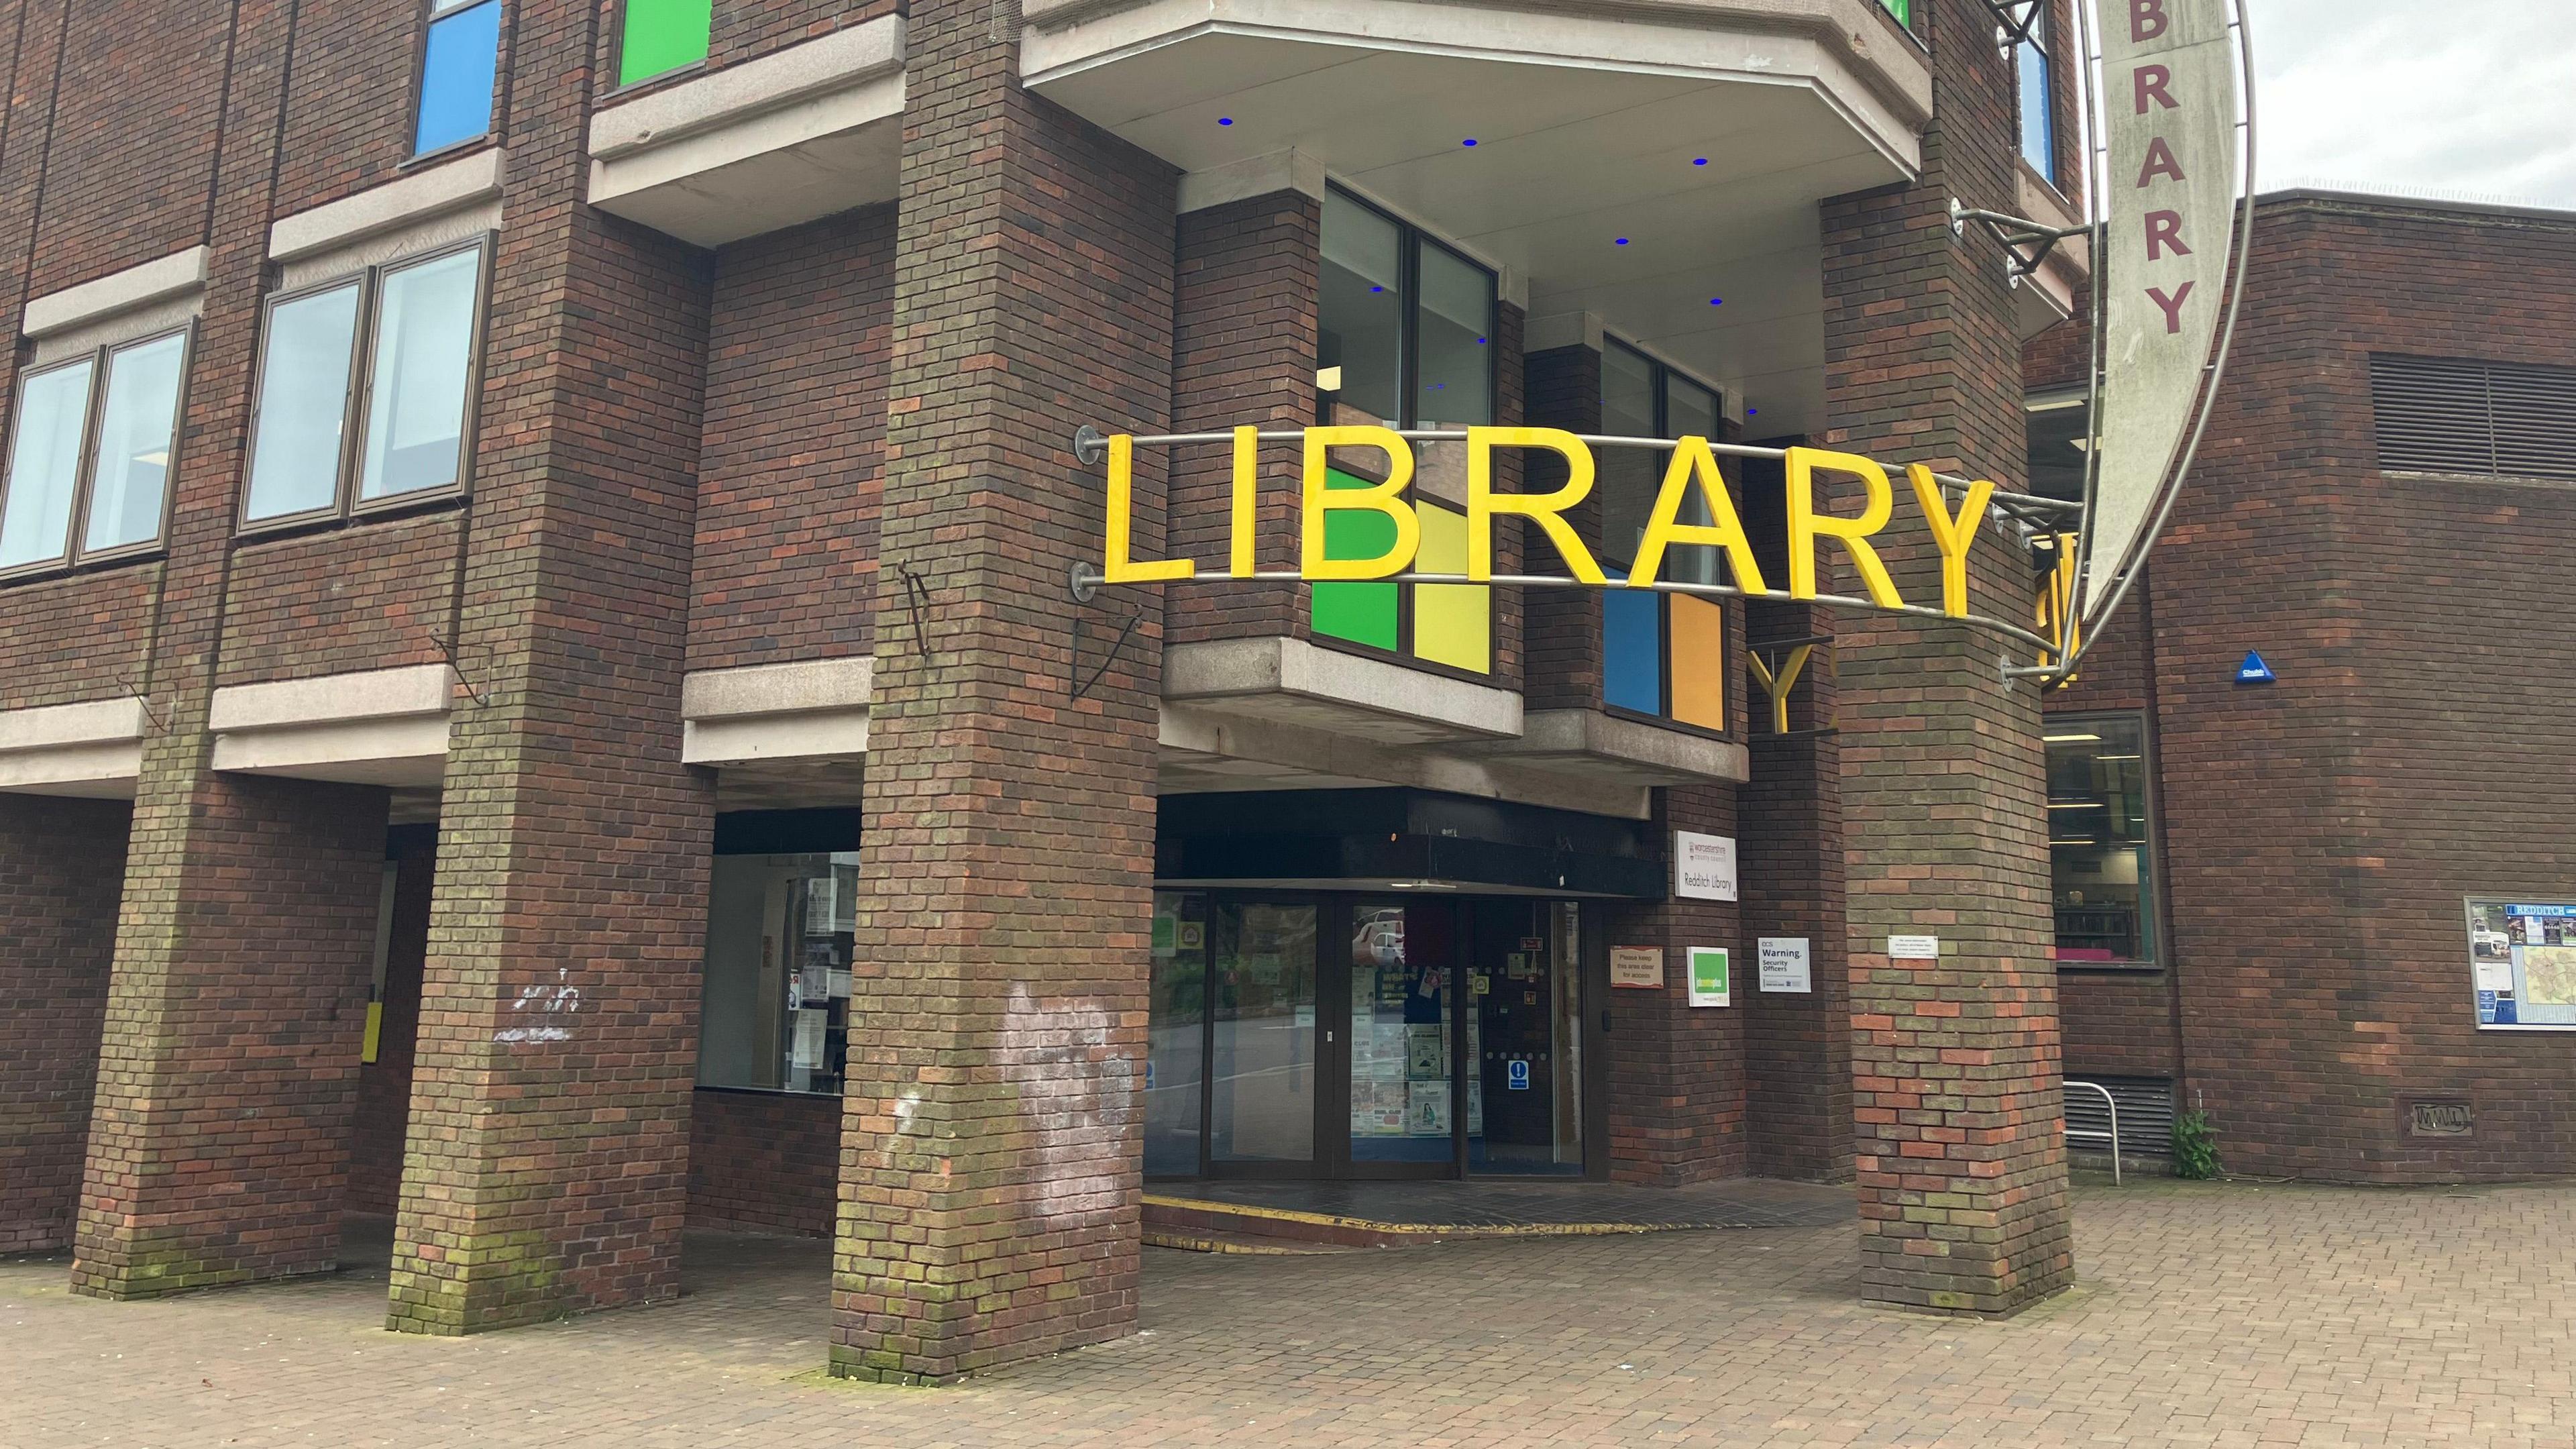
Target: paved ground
1487	1203
2233	1315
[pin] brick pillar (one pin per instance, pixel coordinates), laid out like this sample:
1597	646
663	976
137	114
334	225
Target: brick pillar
990	1162
1955	1060
218	1145
1243	351
62	865
1797	1047
547	1165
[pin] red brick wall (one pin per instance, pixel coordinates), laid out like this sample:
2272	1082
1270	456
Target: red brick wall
366	597
101	210
745	31
1564	389
350	120
62	866
2320	832
1677	1072
77	638
764	1161
792	469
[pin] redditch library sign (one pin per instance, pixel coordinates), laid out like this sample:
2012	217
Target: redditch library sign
2176	144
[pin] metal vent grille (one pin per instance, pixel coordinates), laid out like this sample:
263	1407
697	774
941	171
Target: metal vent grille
2146	1116
2490	419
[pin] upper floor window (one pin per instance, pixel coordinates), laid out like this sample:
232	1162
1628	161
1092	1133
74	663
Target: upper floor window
2056	439
1661	654
460	63
662	36
2038	96
365	389
2101	873
1404	339
1903	10
89	454
2480	419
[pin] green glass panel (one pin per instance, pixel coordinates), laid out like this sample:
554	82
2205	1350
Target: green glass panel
663	35
1361	613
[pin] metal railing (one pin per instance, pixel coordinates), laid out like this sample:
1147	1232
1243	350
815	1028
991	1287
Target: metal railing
2089	1134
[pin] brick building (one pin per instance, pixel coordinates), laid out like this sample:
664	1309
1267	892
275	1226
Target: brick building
2264	910
541	695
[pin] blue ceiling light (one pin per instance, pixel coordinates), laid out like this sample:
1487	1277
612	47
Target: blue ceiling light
1623	241
1717	301
1751	412
1225	120
1700	162
1470	141
1377	289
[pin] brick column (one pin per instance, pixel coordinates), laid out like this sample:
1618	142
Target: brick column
218	1145
1797	1047
62	865
547	1165
1955	1061
990	1163
1677	1071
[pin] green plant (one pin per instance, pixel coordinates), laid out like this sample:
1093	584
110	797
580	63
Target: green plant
2195	1146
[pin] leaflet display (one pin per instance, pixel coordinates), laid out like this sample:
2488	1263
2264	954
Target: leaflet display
2522	963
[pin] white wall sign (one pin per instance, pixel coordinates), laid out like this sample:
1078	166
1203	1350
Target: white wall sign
1703	866
1637	966
1784	962
1914	948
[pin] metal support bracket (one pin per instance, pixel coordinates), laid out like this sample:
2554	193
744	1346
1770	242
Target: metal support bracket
447	651
1090	446
2016	18
2027	243
1078	687
916	597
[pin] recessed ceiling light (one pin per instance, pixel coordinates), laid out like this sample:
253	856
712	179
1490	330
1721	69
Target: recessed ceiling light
1717	301
1623	241
1700	162
1470	141
1225	120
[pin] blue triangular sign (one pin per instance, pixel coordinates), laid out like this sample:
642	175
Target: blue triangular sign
2254	670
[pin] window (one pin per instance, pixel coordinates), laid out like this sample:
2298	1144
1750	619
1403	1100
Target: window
2056	441
2101	872
1661	654
662	36
776	1003
387	358
2482	419
1405	339
460	60
2038	96
75	492
1903	10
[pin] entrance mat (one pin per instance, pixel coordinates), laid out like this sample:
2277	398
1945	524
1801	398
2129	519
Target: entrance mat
1277	1216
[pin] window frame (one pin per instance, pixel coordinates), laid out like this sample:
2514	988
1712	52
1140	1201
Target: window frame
76	554
1410	240
2151	905
346	506
1665	375
429	16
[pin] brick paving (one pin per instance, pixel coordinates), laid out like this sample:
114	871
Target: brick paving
2217	1315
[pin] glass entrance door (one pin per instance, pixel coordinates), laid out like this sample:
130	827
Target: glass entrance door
1263	1080
1402	975
1525	1039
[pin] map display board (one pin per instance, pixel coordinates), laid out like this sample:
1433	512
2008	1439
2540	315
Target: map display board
2522	962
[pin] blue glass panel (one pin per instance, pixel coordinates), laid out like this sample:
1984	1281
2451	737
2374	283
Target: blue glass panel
456	77
2038	123
1632	651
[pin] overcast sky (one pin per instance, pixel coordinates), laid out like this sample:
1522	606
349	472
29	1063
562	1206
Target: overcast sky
2468	99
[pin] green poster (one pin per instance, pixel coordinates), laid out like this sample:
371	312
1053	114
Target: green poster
1709	981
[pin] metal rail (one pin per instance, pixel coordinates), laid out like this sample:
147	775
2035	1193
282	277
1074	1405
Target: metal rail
2086	1132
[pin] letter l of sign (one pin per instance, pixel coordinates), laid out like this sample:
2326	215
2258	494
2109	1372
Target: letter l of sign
1117	568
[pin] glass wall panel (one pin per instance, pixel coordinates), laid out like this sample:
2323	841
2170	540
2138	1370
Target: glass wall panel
1455	350
1690	411
1176	1035
776	995
303	404
137	424
1364	613
1698	661
1629	476
1360	318
1525	1089
423	367
44	464
1632	653
1263	1039
1452	623
2100	868
1402	965
663	36
459	62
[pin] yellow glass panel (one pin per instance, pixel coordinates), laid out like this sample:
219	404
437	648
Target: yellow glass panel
1699	662
1453	624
